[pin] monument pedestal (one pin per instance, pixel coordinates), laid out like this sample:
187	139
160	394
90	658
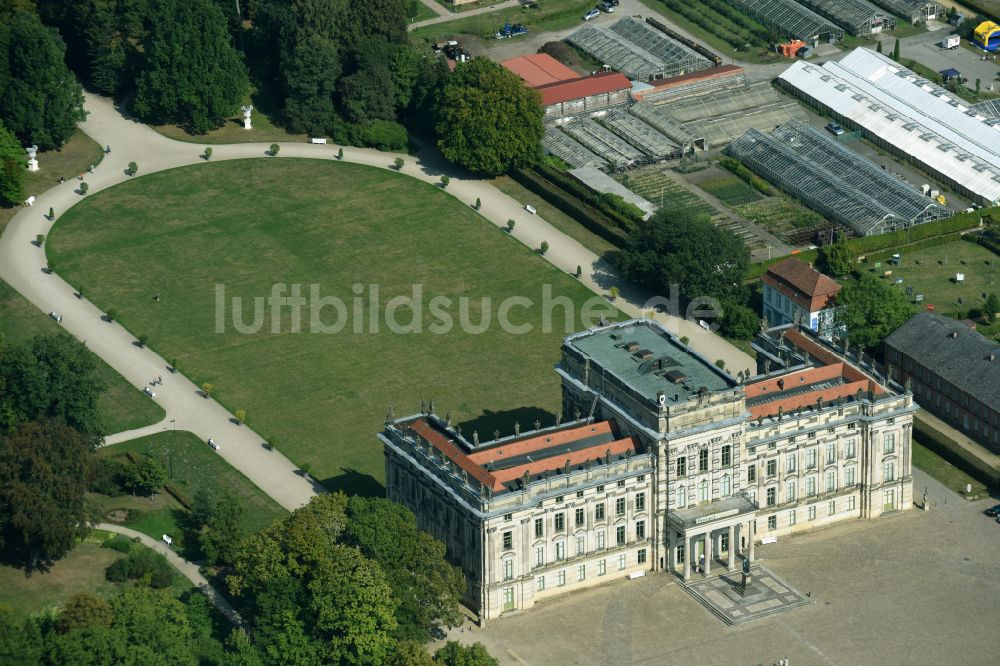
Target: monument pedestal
747	583
32	164
246	123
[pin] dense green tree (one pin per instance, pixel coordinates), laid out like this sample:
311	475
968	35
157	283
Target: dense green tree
309	598
487	119
50	377
410	653
739	322
40	99
42	483
456	654
191	74
836	259
84	609
679	247
378	19
426	586
240	650
871	309
421	110
12	167
143	477
20	637
364	95
218	523
991	306
310	79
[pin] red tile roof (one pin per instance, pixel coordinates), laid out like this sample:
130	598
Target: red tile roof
804	285
670	82
442	444
615	448
543	441
538	69
584	86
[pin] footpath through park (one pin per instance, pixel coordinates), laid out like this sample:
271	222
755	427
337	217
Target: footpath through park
24	268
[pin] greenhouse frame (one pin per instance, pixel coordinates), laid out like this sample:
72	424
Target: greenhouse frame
917	11
833	180
792	18
858	17
654	56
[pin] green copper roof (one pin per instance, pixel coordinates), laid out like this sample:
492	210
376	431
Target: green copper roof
647	358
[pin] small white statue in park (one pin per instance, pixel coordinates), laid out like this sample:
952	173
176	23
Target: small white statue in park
32	161
247	110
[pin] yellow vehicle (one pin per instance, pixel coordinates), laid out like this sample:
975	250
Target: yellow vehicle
940	199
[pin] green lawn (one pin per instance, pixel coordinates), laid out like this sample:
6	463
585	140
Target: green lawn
942	470
930	270
80	571
551	15
251	224
194	465
265	105
423	13
124	406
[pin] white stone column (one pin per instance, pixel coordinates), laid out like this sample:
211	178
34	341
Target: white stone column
708	552
732	547
751	537
687	557
671	565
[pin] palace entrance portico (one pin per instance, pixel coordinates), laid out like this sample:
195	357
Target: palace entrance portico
702	534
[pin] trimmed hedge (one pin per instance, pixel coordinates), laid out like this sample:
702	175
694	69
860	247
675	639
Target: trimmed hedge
624	214
945	447
589	217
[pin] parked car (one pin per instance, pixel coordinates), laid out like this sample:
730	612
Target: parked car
150	392
613	3
834	129
593	13
993	511
606	7
56	316
211	442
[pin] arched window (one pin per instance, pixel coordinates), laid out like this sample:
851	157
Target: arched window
703	491
681	497
726	487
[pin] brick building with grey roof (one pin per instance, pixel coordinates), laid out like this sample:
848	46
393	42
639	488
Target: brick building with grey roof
954	371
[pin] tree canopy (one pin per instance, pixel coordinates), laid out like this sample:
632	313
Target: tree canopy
190	74
42	483
219	525
739	321
871	309
487	119
836	259
40	100
12	166
683	248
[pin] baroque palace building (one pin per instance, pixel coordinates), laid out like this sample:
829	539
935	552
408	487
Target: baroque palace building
668	464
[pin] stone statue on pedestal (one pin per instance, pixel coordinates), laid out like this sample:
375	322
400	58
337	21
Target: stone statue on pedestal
32	161
247	110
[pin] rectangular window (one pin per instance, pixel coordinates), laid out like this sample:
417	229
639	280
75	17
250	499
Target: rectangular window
682	466
725	488
561	578
539	556
539	528
849	448
850	503
727	455
621	483
599	511
560	522
620	535
641	478
812	512
641	556
539	583
602	567
599	538
621	562
790	491
579	517
508	517
640	501
703	460
580	548
889	471
771	496
831	481
791	518
600	489
640	530
508	540
581	572
559	499
579	494
560	550
751	473
831	453
849	476
790	463
620	506
810	486
772	468
810	458
508	599
889	442
508	569
772	522
831	508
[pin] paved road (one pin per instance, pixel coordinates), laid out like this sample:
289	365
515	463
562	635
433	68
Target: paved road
444	15
188	569
21	265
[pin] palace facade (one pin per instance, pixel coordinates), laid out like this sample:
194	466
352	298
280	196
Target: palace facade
665	464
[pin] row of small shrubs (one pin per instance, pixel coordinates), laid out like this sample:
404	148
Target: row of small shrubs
746	175
942	445
586	215
624	214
